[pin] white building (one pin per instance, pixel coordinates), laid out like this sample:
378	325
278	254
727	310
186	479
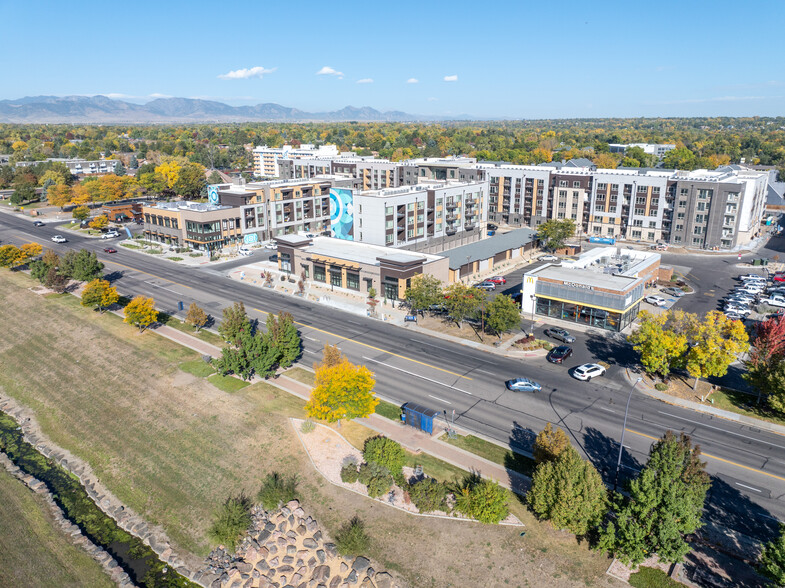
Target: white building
265	159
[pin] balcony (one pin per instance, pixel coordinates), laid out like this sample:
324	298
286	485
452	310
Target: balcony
450	231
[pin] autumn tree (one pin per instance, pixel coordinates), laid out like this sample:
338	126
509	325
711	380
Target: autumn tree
425	291
715	343
343	391
569	492
59	195
141	312
27	252
80	213
99	222
462	301
550	443
502	315
40	267
772	559
55	281
553	233
331	356
665	503
196	317
99	294
766	363
660	348
8	255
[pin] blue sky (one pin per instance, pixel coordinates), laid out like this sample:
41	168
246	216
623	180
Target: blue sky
493	59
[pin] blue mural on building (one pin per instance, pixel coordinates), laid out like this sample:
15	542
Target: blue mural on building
342	214
212	194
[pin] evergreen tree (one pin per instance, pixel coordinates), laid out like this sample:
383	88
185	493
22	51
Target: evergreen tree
570	492
772	559
55	281
284	338
82	265
665	503
234	323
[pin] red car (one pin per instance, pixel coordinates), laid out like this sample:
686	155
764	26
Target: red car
497	280
110	250
778	277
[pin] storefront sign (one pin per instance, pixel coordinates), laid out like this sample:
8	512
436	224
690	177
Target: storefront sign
574	285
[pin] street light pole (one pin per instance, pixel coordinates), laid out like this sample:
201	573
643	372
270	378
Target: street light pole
624	427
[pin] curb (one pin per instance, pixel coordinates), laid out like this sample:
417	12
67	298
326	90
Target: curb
697	407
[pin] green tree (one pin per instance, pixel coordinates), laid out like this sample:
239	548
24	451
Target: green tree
196	316
462	301
141	312
235	322
570	492
772	559
351	539
231	521
80	213
133	163
554	233
119	170
481	499
55	281
661	348
99	293
23	193
39	268
502	315
425	291
284	338
679	158
190	181
385	452
343	391
428	495
550	443
82	265
215	178
665	503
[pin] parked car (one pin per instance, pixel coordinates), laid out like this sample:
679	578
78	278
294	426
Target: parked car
559	354
244	251
547	258
733	316
671	291
59	239
271	245
522	385
656	300
110	250
740	310
741	298
498	280
778	277
746	277
487	286
492	227
774	301
776	290
38	224
437	308
561	334
587	371
110	235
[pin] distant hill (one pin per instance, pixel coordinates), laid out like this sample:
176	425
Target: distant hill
100	109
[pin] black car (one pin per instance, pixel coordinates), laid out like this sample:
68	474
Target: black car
38	224
492	227
559	354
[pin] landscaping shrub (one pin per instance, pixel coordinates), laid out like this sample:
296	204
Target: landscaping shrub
428	495
652	578
368	471
231	521
661	386
385	452
277	490
175	259
349	473
379	485
481	499
308	426
352	539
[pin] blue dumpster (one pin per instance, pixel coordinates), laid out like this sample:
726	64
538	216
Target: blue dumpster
419	417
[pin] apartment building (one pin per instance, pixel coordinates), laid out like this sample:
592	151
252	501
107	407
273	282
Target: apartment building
80	167
371	173
266	159
658	149
515	191
568	195
414	214
204	227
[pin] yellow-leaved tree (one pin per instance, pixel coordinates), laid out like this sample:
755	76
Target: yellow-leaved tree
99	222
343	391
141	312
715	343
170	170
100	294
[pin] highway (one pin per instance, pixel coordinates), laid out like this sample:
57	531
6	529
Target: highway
748	464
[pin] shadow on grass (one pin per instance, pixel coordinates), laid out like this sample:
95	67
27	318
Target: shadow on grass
603	453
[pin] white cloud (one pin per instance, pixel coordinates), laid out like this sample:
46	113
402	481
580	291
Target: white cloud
329	71
412	81
245	73
450	78
121	96
432	99
365	81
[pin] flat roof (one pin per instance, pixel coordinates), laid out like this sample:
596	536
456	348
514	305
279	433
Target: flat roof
585	277
362	252
489	247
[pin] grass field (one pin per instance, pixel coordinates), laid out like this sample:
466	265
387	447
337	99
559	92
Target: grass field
173	446
301	375
228	384
495	453
33	551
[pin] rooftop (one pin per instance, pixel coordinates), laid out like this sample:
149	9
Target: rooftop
489	247
192	206
357	252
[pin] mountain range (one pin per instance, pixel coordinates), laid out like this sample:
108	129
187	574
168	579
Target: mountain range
100	109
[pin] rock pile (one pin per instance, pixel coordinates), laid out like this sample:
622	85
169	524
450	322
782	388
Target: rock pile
285	549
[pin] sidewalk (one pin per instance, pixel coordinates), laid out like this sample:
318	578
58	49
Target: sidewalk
414	440
649	390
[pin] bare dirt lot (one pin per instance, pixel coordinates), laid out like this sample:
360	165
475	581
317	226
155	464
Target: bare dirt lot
173	446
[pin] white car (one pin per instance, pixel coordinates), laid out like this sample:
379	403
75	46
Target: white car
110	235
547	258
271	245
775	301
741	310
244	251
587	371
747	277
59	239
656	300
751	289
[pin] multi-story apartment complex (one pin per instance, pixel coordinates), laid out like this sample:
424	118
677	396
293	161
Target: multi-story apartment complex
411	214
81	167
371	173
658	149
204	227
266	159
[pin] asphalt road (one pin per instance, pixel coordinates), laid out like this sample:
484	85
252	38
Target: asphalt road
748	464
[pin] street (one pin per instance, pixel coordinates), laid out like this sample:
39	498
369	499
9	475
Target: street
748	465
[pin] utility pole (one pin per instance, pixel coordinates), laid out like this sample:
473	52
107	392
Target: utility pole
624	427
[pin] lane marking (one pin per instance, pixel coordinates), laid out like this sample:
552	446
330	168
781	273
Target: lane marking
484	372
607	409
379	349
698	423
415	375
309	351
432	345
749	487
310	338
163	288
733	463
439	399
147	273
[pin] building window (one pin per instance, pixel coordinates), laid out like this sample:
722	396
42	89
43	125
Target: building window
697	241
640	211
684	192
677	239
576	184
652	224
335	277
697	230
599	208
651	236
680	215
610	231
319	273
640	200
636	234
701	206
698	218
286	262
562	183
637	223
353	281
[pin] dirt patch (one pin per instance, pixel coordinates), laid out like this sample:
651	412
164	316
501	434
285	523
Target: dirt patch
466	331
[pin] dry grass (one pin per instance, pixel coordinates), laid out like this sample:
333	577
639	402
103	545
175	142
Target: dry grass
172	446
33	552
443	325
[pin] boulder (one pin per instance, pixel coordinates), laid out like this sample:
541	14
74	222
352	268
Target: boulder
352	577
291	550
321	555
335	582
344	567
367	583
361	564
301	530
243	567
284	570
383	580
321	574
273	563
288	559
331	549
262	566
317	536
